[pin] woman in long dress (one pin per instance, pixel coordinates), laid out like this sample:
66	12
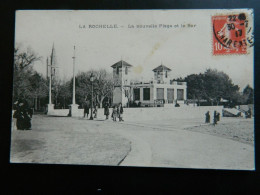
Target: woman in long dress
86	108
23	114
106	109
120	111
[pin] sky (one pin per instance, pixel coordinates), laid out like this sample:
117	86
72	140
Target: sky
185	50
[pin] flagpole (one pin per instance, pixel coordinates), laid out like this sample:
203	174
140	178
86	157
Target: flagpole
50	87
74	91
74	107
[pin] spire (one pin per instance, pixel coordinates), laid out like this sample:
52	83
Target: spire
53	56
74	52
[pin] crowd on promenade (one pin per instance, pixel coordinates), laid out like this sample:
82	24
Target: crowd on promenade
117	111
23	113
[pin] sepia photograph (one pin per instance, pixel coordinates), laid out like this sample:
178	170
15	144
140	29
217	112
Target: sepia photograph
134	88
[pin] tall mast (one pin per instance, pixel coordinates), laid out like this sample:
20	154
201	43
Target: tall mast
47	69
50	83
74	91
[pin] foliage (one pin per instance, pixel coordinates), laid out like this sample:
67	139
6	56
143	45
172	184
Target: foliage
213	86
102	86
248	94
27	83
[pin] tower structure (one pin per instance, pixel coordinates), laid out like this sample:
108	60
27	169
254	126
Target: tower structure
121	76
53	63
162	74
51	75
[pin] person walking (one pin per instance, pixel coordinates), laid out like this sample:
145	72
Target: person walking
86	108
120	111
106	109
218	116
114	113
207	117
95	110
215	118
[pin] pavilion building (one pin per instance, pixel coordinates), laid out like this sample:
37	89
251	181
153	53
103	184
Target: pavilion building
159	91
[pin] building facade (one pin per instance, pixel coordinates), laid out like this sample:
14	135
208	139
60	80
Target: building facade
159	91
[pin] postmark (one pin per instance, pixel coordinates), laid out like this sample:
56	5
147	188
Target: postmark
232	34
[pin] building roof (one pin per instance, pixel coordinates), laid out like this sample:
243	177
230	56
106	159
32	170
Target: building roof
120	64
161	68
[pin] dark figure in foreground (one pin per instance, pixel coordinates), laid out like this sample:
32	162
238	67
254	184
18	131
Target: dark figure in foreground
120	112
215	118
86	108
207	117
218	116
106	109
23	114
248	113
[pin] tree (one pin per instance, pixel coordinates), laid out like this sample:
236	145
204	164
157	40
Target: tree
38	88
65	94
218	85
23	71
211	85
196	87
248	94
83	87
102	86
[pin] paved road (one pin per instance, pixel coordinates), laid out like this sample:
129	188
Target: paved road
153	144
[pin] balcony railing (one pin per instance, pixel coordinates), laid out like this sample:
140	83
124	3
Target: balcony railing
178	83
159	82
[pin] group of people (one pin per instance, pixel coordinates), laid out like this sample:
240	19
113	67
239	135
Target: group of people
215	119
87	107
23	115
117	111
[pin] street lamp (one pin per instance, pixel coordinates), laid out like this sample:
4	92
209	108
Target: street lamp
91	80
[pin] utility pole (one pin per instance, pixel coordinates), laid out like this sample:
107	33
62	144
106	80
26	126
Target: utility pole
74	107
74	91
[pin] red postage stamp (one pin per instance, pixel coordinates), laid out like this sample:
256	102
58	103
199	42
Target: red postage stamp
230	34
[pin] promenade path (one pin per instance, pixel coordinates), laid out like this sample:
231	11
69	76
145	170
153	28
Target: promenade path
165	143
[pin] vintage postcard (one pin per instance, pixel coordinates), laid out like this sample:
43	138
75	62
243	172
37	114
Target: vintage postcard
142	88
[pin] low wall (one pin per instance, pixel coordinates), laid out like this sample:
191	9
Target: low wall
169	113
154	113
65	112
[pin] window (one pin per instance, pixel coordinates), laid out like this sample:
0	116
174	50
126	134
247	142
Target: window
117	70
170	95
180	94
126	70
146	92
137	94
166	74
160	93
